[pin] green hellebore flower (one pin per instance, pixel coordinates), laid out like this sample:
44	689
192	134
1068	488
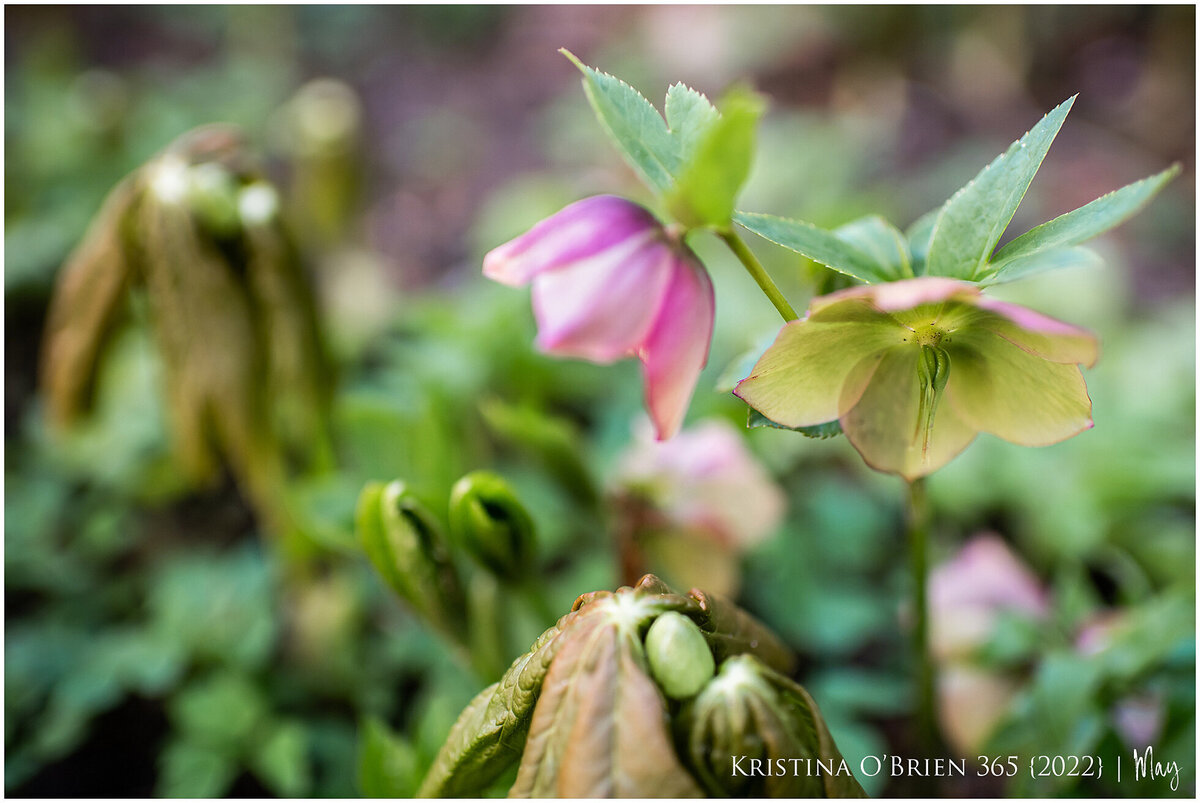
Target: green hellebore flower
914	369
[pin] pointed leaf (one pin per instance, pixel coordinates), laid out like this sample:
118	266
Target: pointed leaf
689	116
709	182
882	241
971	222
1084	223
815	243
1042	261
636	127
280	759
918	236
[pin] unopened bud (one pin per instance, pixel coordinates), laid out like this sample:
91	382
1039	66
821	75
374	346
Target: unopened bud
492	525
406	546
680	659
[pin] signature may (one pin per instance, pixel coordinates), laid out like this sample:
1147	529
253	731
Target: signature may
1144	766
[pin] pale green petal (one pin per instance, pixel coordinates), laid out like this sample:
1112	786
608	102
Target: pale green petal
1015	395
882	425
1035	333
798	382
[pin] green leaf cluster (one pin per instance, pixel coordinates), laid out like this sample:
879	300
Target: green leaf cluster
695	159
958	240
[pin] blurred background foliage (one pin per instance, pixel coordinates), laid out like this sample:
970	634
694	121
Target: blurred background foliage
154	643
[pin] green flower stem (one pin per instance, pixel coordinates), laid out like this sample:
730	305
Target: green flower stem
759	273
918	540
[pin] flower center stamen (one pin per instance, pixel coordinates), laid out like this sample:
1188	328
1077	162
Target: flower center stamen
928	335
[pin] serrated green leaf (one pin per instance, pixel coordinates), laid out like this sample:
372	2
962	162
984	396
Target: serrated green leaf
882	241
972	221
830	429
489	735
1042	261
709	181
1082	224
638	130
815	243
689	116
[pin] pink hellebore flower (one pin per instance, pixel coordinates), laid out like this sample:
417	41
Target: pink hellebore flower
692	505
706	481
880	358
610	282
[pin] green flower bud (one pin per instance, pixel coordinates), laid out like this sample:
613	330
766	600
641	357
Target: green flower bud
492	525
680	660
407	548
750	712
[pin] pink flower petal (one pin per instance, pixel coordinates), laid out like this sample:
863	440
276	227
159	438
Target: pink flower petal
986	574
579	231
901	295
677	347
705	479
603	307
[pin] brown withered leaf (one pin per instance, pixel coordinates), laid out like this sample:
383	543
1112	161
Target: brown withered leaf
232	315
286	323
87	301
213	361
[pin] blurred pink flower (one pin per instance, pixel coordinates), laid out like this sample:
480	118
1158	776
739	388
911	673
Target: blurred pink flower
706	480
610	282
693	504
966	596
968	592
